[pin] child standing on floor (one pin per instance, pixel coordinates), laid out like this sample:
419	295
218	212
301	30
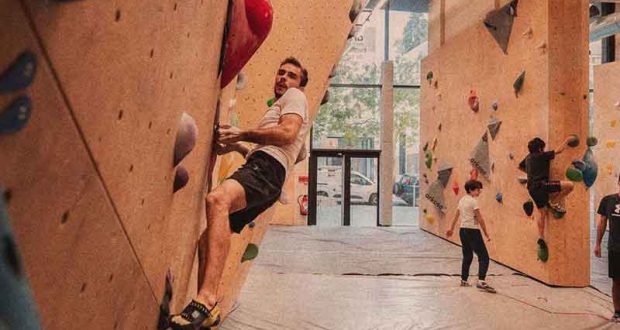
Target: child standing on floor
471	239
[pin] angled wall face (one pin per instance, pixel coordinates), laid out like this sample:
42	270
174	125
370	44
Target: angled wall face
607	128
549	43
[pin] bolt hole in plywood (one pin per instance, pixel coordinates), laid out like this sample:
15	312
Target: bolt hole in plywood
150	124
131	168
110	278
118	15
175	6
152	53
65	218
83	288
120	115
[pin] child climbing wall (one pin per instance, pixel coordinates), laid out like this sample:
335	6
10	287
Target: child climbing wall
497	76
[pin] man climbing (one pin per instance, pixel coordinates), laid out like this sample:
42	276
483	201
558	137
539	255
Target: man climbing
537	166
609	210
471	239
252	189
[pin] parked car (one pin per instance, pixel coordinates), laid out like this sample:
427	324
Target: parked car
363	190
407	188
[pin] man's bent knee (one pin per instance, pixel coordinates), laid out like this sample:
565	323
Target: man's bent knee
218	200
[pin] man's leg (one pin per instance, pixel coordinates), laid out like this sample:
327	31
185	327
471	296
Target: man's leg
468	255
227	198
566	187
615	293
542	218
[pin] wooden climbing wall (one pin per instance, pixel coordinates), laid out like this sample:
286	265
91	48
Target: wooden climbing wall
549	43
316	35
90	177
607	128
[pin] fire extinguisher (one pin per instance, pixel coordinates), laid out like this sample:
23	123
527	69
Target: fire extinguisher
302	200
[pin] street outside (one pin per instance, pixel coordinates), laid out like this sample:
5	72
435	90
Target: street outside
364	215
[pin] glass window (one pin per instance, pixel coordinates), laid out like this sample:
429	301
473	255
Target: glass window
408	45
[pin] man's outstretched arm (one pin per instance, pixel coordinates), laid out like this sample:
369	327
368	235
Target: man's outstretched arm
284	133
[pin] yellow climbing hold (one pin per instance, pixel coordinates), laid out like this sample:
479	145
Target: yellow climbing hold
610	169
613	123
430	218
611	144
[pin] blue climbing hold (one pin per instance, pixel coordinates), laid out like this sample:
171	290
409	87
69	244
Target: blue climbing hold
499	197
20	73
591	171
15	116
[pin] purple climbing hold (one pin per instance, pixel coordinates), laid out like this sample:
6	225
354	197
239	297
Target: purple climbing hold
181	178
20	73
186	138
16	115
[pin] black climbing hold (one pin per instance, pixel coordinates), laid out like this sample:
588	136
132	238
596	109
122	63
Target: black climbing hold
518	84
543	251
186	138
425	147
495	105
325	97
494	126
499	23
511	156
528	207
439	127
499	197
579	164
355	10
252	224
522	179
250	253
332	73
181	177
429	77
573	141
592	141
20	73
15	116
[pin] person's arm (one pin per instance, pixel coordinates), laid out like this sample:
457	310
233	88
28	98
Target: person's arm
601	226
223	149
563	146
456	218
282	134
483	225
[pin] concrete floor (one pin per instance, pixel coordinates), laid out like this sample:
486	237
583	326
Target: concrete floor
395	278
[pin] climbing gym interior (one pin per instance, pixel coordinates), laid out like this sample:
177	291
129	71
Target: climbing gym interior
110	121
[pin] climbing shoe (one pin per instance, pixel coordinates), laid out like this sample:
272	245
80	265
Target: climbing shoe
465	283
615	318
485	287
196	316
543	251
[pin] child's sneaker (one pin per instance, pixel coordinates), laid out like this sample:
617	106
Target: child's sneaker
465	283
485	287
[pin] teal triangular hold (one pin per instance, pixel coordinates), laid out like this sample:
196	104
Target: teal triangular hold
499	23
435	195
591	171
494	126
443	174
518	84
480	157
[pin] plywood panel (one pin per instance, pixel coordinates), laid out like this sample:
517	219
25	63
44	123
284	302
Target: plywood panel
459	67
607	128
129	69
75	251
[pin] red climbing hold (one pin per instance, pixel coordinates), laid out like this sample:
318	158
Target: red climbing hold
455	187
250	23
473	101
473	175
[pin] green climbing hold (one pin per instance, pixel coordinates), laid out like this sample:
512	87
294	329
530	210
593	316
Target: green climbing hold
558	214
574	174
518	84
270	102
573	141
429	160
429	77
543	251
592	141
250	253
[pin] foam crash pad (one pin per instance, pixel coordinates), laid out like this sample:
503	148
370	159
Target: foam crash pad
249	25
186	138
493	126
16	115
480	157
19	74
17	307
435	195
499	23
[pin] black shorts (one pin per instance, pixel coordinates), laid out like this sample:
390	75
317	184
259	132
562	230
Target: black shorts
540	191
614	264
262	178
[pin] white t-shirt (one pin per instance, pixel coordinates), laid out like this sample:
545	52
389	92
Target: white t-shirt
467	206
293	101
